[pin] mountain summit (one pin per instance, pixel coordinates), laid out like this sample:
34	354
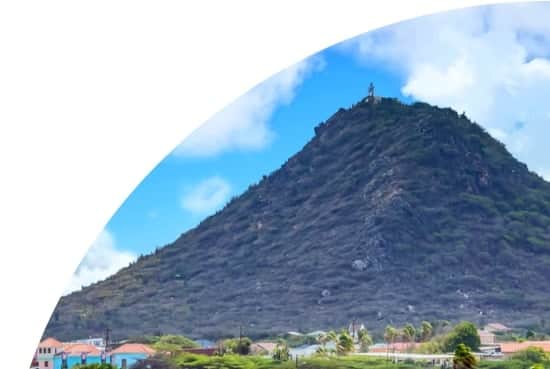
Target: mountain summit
392	213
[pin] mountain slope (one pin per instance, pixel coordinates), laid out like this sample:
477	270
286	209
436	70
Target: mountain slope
391	213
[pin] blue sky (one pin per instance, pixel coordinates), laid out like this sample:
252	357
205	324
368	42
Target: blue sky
491	62
154	214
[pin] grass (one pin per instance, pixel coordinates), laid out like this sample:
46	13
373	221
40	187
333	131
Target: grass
251	362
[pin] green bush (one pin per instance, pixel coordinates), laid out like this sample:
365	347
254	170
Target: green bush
531	355
465	333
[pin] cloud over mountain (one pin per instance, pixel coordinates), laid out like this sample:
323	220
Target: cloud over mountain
490	62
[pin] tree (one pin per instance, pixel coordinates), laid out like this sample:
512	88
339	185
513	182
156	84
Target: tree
409	332
365	340
530	335
463	358
345	343
390	334
323	339
532	355
281	353
426	331
156	362
172	343
239	346
466	333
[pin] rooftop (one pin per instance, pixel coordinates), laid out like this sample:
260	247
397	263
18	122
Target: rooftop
513	347
50	342
133	348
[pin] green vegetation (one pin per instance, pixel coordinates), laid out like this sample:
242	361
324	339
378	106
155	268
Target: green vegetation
531	358
238	346
171	343
463	358
446	222
189	361
365	340
94	366
390	334
464	333
533	355
409	332
344	344
297	341
426	331
282	352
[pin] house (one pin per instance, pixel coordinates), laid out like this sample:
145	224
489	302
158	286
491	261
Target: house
128	354
97	342
497	328
486	338
53	354
263	348
511	348
46	351
78	353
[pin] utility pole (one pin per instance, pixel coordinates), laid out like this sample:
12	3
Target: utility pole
107	338
240	339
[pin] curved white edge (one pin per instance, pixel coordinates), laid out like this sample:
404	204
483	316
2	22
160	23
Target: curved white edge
94	94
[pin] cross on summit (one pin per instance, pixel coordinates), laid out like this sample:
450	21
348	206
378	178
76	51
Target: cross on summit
371	98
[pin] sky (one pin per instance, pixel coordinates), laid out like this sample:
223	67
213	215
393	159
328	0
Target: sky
493	63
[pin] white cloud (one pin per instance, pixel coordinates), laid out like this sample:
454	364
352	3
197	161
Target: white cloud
102	260
244	124
207	196
491	62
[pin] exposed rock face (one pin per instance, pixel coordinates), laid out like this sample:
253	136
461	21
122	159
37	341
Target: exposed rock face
419	200
359	265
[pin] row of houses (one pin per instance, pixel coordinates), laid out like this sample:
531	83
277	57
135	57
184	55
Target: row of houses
53	354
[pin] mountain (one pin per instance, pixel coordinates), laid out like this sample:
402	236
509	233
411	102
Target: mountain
392	213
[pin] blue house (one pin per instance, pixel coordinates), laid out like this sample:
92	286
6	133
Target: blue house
78	353
53	354
128	354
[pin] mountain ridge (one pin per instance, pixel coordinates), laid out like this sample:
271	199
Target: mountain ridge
390	213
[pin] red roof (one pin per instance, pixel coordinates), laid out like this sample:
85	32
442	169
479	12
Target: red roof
263	346
50	342
513	347
133	348
74	349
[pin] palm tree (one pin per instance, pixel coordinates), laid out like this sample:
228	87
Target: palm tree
365	340
463	358
426	331
322	339
409	333
282	353
390	333
345	343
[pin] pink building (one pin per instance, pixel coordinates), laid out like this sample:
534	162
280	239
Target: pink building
46	351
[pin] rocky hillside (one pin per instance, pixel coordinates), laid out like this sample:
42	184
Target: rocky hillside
392	213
